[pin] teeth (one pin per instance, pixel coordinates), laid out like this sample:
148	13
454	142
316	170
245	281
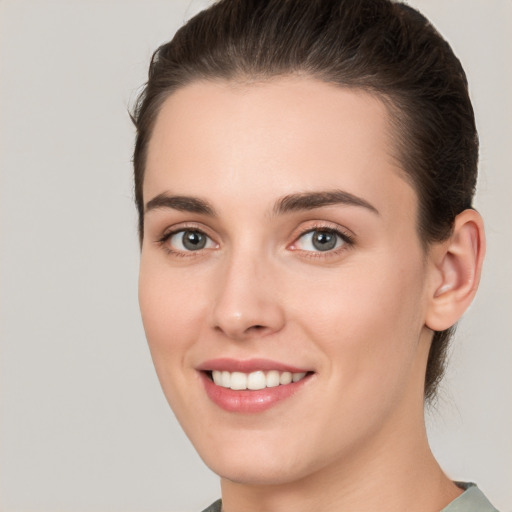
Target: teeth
272	379
225	379
255	380
285	378
238	380
298	376
217	378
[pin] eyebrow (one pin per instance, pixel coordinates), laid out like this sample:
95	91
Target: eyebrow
289	203
313	200
181	203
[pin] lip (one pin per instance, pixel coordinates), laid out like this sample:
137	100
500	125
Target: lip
248	365
249	401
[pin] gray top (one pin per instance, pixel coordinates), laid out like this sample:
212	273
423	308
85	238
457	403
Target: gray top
471	500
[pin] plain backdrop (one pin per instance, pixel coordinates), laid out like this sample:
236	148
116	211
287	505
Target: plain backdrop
84	424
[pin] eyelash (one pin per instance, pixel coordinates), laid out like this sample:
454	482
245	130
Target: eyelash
162	241
347	241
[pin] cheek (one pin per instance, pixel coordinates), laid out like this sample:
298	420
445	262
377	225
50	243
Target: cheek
169	309
367	317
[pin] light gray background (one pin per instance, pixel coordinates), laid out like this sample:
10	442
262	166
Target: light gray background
84	425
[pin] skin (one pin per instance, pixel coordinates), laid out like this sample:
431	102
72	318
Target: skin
359	316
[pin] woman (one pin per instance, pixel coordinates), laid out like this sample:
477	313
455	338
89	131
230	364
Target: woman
304	174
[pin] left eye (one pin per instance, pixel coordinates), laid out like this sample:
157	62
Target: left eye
190	240
319	240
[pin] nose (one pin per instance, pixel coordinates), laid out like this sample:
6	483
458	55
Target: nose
247	303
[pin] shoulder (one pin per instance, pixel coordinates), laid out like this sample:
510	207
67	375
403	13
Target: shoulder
471	500
214	507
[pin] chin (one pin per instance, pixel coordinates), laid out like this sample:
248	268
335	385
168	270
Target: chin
249	473
258	465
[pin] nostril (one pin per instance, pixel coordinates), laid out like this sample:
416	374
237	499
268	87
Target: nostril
257	328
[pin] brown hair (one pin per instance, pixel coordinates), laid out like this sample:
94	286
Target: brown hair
380	46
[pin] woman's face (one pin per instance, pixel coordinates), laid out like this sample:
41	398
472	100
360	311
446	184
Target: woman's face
280	243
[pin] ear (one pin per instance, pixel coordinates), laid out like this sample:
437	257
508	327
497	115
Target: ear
456	265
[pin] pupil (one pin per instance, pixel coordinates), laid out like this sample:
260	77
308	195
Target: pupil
324	241
193	240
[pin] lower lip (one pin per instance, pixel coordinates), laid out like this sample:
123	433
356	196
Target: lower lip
249	401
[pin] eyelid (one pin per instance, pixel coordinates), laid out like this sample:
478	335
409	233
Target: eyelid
185	226
170	231
346	236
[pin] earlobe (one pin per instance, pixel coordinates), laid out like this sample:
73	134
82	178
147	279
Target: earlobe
456	271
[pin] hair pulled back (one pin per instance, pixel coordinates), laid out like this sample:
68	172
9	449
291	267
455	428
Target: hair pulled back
379	46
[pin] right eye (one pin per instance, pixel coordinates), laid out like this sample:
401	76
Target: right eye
188	240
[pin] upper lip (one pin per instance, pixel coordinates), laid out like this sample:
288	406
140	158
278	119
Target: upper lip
247	365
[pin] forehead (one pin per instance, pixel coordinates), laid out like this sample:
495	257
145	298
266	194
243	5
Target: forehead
272	138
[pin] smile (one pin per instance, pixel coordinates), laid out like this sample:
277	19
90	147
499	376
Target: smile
251	386
255	380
